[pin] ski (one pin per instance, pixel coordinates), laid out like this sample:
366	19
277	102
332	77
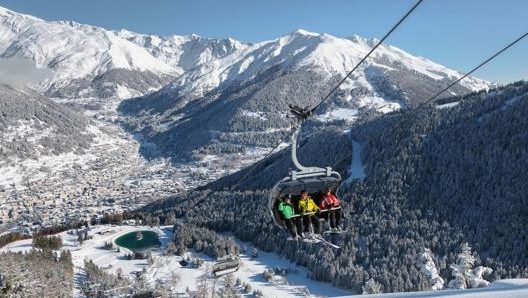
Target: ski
323	240
306	239
335	232
331	244
314	239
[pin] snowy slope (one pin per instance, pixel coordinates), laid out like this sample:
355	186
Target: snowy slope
164	267
72	50
511	288
32	126
321	52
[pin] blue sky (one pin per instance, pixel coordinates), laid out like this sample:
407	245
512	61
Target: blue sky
459	34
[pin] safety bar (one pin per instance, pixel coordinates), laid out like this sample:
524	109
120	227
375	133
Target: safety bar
312	213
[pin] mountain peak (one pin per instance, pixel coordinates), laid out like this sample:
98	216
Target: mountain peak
360	39
304	33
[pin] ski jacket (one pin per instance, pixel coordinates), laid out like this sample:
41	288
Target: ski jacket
307	205
329	201
286	209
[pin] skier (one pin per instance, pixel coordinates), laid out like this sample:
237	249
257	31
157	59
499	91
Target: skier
330	202
292	223
308	209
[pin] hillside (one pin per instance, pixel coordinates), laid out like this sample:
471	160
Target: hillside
416	198
32	125
44	272
240	101
83	60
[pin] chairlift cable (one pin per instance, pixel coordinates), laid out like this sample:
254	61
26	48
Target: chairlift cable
393	128
422	104
309	112
480	65
366	56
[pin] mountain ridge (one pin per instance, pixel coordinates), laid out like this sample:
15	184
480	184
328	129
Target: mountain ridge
166	58
191	98
252	88
77	54
187	51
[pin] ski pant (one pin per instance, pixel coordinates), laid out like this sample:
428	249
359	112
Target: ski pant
333	217
293	225
311	220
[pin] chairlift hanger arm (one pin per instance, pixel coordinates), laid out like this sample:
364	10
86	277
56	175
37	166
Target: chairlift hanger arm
300	113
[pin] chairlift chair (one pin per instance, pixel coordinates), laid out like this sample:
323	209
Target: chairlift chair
312	179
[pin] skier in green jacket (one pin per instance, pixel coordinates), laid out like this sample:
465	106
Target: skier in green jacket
293	223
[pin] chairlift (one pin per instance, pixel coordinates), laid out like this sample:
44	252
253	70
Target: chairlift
311	179
225	265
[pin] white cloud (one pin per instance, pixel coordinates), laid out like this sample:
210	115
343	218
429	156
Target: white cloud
19	72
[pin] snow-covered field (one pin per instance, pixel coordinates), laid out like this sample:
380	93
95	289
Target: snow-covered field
167	271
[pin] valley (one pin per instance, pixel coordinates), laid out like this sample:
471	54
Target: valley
110	177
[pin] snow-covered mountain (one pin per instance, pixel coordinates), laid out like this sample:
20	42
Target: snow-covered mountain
185	52
240	100
88	61
326	54
219	97
85	61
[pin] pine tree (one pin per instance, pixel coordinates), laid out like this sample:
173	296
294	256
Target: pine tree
427	266
80	239
371	287
247	287
465	276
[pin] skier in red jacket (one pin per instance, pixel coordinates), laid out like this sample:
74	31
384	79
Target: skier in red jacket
330	202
